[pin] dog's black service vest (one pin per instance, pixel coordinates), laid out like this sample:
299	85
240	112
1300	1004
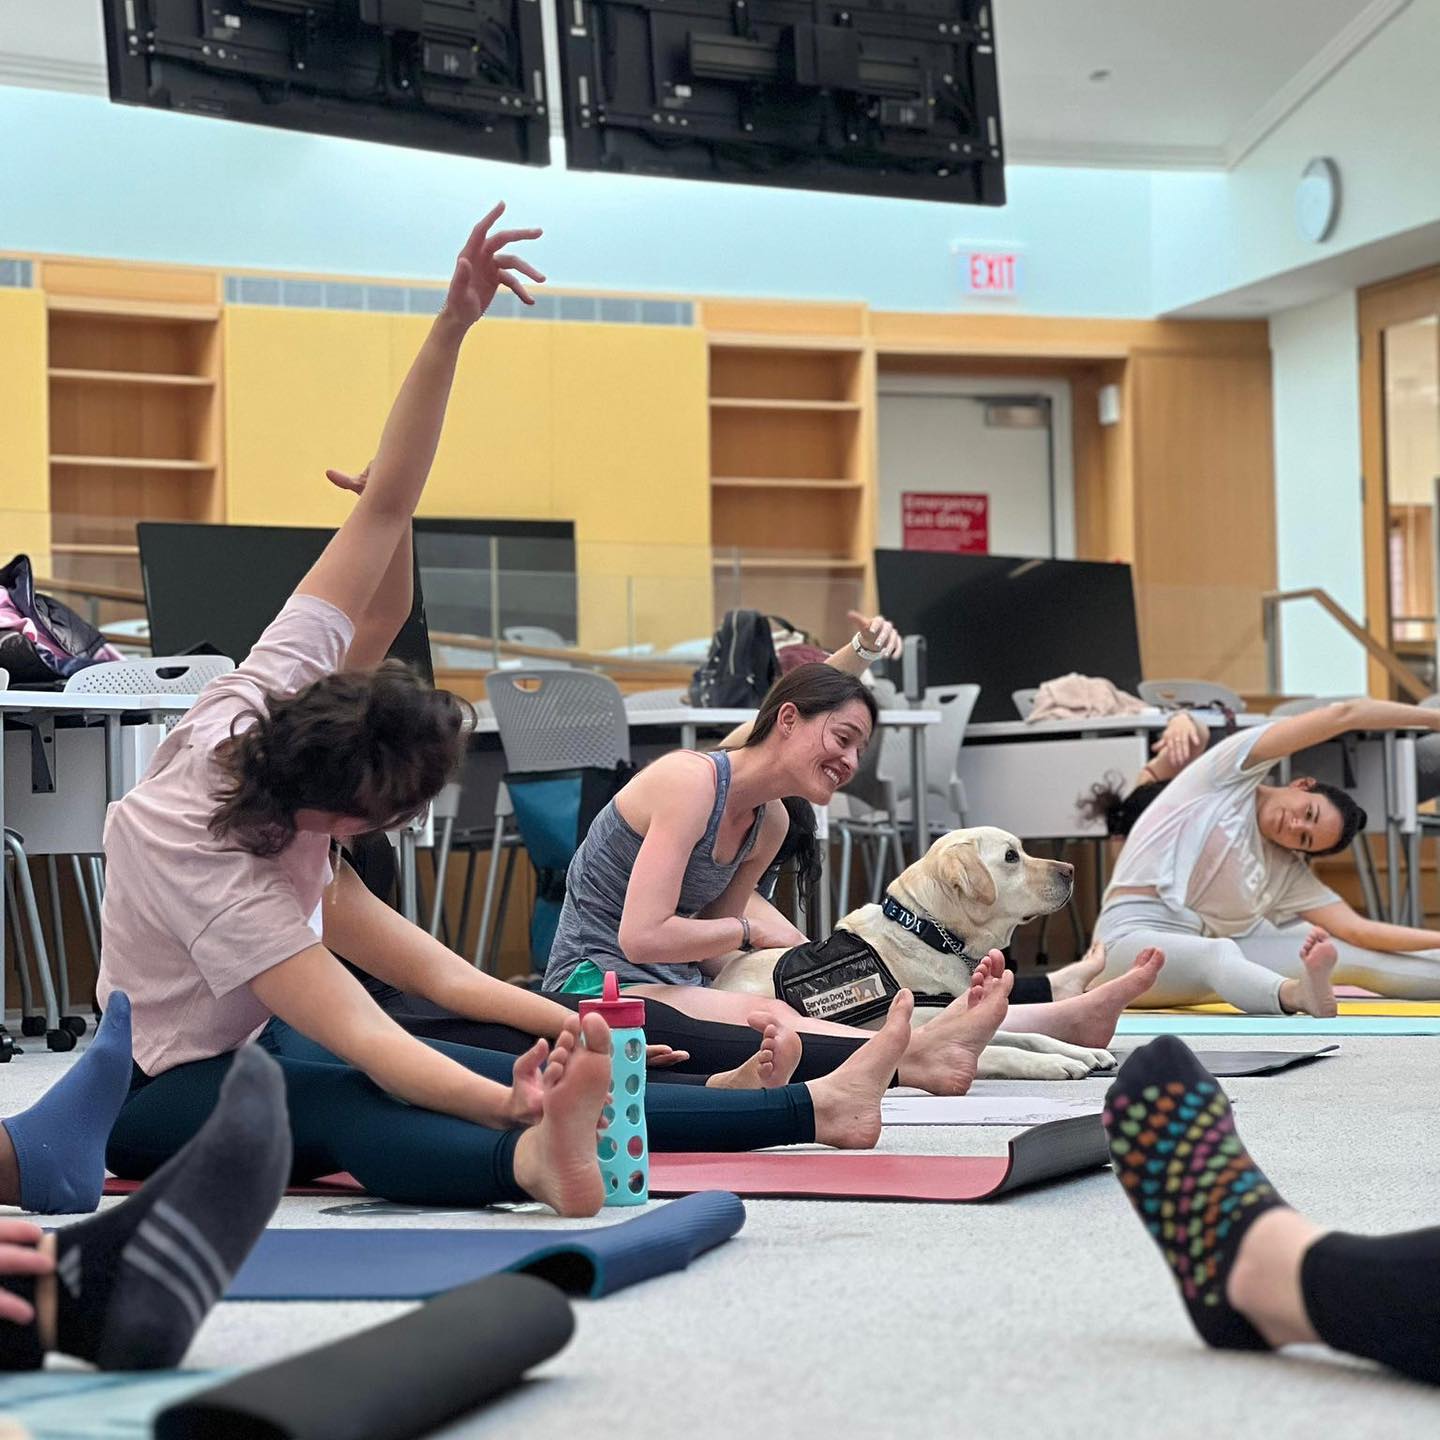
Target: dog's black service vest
845	980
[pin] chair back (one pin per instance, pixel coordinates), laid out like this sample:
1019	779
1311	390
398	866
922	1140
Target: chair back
159	675
1189	695
1304	704
1024	700
956	703
540	636
868	790
559	719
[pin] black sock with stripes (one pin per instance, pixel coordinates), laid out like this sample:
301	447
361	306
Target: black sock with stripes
135	1282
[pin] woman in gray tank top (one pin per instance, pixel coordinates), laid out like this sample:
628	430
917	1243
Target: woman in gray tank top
657	892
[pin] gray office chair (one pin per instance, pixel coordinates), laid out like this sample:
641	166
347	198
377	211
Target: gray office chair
548	720
945	795
1024	700
1189	695
540	636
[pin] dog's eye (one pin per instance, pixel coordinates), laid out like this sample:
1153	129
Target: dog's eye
1012	857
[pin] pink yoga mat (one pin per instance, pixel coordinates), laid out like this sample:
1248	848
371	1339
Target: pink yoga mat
1043	1152
1039	1154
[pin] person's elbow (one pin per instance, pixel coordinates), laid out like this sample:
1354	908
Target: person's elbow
640	941
1347	714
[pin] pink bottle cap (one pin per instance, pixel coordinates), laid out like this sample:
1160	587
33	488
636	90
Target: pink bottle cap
618	1014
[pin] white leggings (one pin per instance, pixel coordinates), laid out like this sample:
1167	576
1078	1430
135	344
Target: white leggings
1246	971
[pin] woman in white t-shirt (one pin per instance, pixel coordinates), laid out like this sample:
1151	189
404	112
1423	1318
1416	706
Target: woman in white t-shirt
1215	873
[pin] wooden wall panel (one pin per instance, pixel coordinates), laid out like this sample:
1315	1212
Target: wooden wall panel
1205	514
24	425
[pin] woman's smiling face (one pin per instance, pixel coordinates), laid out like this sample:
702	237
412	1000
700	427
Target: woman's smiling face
823	751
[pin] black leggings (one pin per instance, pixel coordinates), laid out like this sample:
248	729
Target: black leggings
1376	1296
713	1046
342	1120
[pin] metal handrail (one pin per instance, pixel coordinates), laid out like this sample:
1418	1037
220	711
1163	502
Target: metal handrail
1394	666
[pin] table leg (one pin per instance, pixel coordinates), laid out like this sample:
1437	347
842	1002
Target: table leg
918	794
687	737
1392	833
114	770
817	913
1413	903
409	902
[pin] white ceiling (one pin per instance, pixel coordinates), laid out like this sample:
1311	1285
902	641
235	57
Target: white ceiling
1192	83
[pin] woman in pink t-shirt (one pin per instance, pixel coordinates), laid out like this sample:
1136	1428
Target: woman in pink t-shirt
222	914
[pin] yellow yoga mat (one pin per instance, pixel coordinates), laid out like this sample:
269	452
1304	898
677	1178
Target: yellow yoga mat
1347	1007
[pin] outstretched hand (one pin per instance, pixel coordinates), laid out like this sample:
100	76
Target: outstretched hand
877	633
484	265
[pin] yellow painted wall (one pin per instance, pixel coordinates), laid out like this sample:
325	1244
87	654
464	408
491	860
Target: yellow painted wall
304	389
605	425
24	428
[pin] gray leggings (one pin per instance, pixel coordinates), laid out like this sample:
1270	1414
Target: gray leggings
1245	971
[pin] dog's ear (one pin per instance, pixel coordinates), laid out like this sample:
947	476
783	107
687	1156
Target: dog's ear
962	869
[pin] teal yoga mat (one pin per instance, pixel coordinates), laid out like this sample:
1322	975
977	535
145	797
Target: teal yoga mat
1139	1024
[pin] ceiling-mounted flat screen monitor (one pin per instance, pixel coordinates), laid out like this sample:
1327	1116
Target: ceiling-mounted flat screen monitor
221	585
463	76
883	97
1007	623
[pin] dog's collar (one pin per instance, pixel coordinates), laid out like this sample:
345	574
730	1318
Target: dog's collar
923	927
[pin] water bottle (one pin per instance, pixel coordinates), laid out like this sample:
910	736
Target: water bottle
622	1147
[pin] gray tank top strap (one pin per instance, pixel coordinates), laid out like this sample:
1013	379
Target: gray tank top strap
721	760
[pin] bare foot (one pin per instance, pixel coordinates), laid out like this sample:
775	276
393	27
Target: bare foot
771	1066
945	1054
847	1101
555	1162
1312	994
1072	980
1089	1019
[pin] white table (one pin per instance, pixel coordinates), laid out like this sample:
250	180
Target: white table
40	710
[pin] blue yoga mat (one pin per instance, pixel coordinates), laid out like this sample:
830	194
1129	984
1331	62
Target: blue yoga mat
416	1264
1135	1024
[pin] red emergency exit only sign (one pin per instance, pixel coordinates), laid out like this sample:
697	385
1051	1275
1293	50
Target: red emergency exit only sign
957	524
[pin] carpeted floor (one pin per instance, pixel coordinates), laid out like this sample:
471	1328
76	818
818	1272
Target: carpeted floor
1045	1315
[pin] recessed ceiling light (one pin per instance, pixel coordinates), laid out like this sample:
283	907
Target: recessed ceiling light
1099	77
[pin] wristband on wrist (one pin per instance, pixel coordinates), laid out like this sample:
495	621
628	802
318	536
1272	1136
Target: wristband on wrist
745	933
858	645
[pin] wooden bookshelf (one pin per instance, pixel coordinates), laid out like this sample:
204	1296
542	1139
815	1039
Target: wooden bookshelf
791	420
133	367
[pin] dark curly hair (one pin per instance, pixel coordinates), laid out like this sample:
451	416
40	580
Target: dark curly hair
1108	801
373	744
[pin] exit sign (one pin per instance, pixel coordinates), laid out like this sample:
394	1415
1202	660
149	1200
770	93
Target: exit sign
990	273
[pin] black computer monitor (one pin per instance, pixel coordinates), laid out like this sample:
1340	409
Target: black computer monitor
880	97
221	585
534	580
464	76
1008	623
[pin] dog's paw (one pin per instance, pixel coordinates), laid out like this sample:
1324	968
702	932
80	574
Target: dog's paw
1008	1063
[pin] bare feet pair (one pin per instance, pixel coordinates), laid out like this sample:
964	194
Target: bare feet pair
555	1159
944	1055
1090	1017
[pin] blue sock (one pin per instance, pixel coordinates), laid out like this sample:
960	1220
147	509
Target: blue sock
60	1140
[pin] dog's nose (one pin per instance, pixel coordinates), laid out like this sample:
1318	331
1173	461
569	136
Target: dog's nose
1067	870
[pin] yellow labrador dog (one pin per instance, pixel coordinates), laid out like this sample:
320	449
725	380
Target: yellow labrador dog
963	897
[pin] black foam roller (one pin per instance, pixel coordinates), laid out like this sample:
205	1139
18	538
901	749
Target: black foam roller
401	1379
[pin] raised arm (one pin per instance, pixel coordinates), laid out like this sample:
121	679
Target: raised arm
350	571
1294	733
